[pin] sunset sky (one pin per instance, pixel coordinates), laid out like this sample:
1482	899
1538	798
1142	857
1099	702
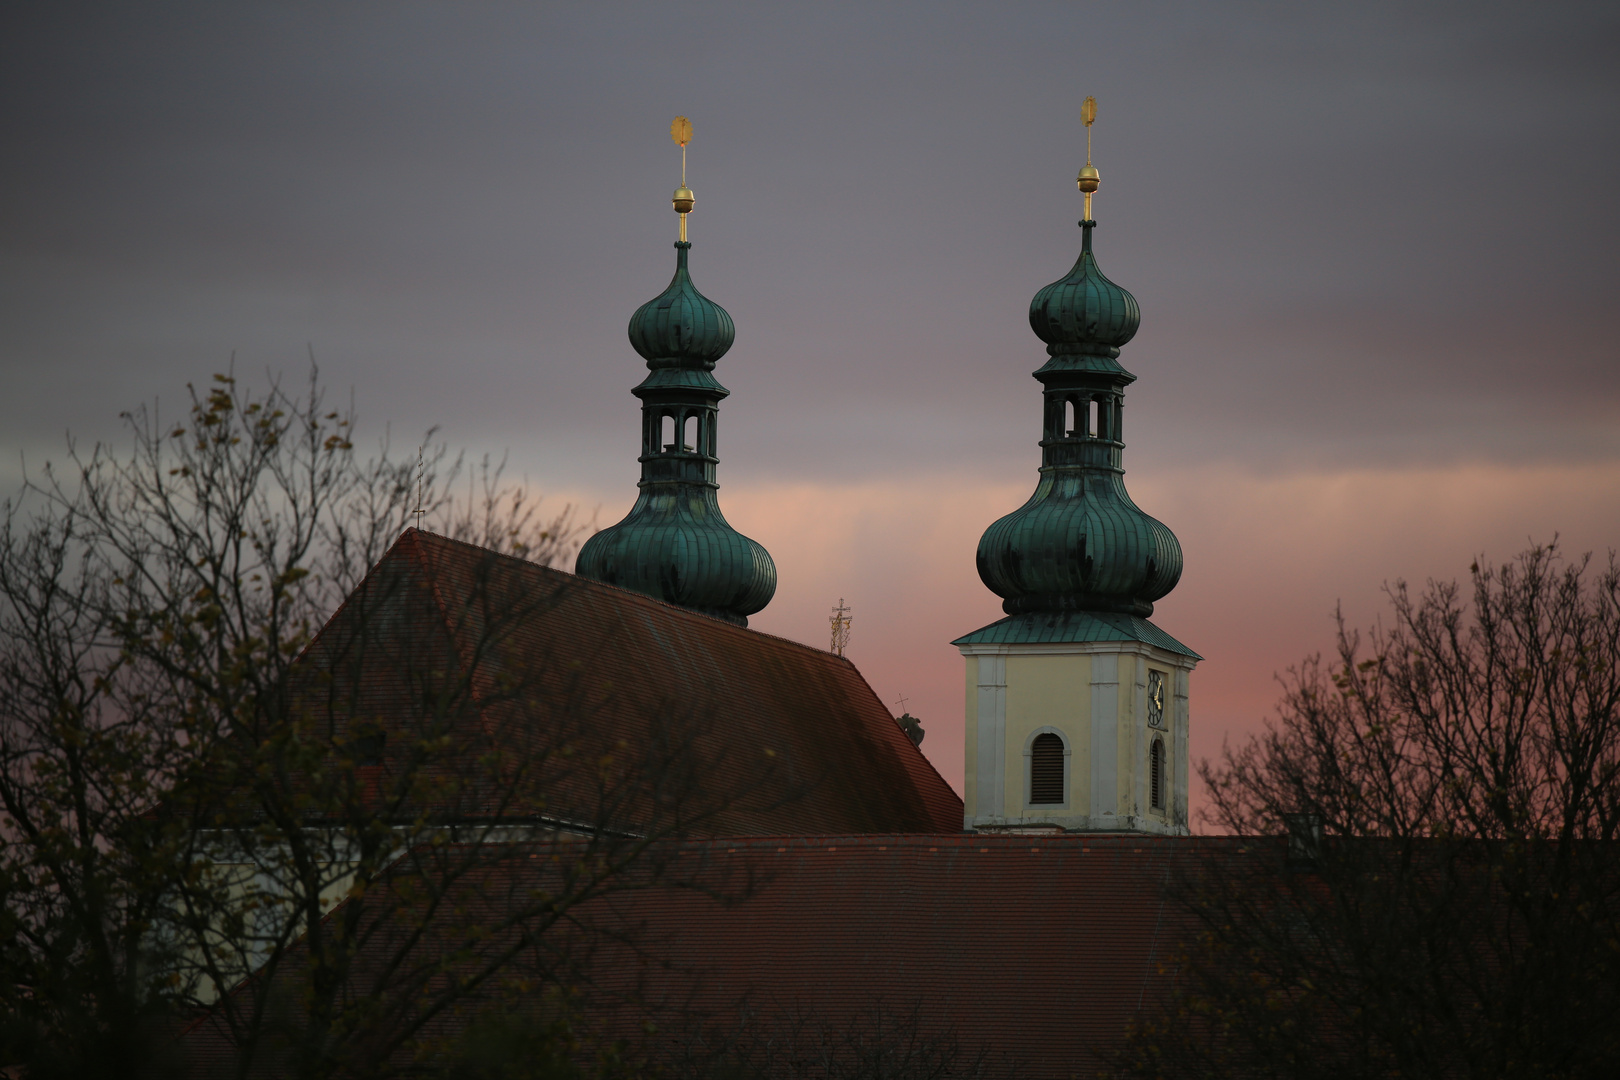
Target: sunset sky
1374	246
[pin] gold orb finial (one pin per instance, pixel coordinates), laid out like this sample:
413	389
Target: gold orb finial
1089	179
683	200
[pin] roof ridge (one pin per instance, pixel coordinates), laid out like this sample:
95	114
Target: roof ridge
915	747
966	838
638	597
356	590
1132	842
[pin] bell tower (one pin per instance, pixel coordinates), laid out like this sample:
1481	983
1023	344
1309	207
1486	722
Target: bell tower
675	544
1077	704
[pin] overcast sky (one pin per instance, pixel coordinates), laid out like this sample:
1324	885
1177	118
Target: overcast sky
1374	247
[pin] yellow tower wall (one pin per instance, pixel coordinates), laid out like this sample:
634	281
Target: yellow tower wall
1094	696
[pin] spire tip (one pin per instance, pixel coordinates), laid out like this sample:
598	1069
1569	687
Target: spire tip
1089	179
683	199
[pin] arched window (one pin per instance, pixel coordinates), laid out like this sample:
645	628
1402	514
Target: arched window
690	439
1156	774
1068	419
667	432
1046	769
1092	429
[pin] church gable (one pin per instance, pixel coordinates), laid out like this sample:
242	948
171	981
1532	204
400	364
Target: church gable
518	659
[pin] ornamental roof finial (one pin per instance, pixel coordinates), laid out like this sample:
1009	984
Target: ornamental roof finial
1089	180
683	200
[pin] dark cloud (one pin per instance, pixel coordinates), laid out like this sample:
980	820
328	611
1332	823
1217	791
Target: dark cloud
1368	233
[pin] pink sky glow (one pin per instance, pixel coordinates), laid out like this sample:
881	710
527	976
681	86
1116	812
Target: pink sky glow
1267	558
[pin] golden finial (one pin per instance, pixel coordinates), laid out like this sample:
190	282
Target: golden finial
1089	179
684	200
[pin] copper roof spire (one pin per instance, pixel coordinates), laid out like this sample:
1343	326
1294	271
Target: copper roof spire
675	544
1080	544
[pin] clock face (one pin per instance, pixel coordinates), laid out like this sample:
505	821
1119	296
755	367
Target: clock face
1155	690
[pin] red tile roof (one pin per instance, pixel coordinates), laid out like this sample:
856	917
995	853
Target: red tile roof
1041	949
1038	950
618	665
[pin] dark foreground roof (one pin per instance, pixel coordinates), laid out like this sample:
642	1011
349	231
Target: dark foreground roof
1036	951
1040	950
624	668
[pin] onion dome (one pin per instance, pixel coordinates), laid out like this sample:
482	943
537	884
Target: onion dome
1080	544
683	552
675	544
1083	311
680	327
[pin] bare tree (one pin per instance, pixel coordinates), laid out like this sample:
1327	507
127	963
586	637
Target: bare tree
1430	886
425	827
201	792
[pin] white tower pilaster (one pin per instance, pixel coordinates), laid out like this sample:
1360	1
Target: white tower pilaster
1097	698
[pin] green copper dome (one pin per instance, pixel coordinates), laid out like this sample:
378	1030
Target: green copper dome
675	544
1080	543
680	327
1084	308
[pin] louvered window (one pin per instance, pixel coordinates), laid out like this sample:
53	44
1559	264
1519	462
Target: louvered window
1156	774
1046	769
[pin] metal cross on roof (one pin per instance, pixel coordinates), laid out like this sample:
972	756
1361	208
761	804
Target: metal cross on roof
840	620
421	471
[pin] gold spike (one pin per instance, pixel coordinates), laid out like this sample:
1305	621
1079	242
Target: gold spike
684	200
1089	179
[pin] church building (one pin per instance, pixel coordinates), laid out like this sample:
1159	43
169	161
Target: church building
1028	919
1076	704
